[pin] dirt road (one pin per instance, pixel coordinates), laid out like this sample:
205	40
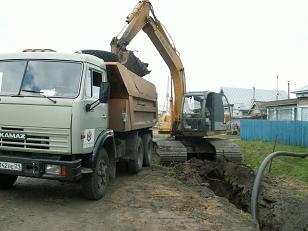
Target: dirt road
150	200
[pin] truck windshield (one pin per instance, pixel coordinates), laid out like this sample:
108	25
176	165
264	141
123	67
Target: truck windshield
32	78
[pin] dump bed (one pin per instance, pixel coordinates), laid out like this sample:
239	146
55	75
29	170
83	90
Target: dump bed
133	100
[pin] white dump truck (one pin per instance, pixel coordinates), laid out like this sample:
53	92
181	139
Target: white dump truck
71	117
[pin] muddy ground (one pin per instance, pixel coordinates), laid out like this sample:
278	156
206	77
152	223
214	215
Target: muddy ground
150	200
282	204
195	195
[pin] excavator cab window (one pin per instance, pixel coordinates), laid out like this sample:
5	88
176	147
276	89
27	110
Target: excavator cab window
193	111
192	107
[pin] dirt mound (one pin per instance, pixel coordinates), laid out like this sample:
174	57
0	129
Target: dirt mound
198	169
280	206
133	63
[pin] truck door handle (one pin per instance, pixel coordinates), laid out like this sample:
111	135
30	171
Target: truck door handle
104	116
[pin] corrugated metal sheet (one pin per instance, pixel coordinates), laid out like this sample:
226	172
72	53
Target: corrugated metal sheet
287	132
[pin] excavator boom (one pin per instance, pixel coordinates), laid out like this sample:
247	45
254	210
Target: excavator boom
139	20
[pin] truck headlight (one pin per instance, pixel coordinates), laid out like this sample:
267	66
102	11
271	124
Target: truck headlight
53	169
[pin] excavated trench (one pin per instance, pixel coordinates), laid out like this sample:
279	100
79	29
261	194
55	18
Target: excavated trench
279	208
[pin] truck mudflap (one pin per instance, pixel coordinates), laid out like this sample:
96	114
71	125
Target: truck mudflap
28	167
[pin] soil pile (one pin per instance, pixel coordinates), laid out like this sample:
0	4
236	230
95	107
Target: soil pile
282	203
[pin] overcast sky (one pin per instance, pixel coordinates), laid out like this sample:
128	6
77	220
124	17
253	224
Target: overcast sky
223	43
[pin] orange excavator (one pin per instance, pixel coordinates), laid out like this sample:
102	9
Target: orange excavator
194	115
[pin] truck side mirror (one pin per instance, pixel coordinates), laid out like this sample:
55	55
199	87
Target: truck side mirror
104	92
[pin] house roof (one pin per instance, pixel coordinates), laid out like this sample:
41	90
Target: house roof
258	109
244	96
258	104
303	89
286	102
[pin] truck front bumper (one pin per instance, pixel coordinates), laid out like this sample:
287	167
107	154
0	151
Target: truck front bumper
37	168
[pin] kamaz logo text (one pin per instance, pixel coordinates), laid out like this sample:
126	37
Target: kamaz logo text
9	135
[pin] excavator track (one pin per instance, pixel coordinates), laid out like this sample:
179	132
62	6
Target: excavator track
171	150
226	149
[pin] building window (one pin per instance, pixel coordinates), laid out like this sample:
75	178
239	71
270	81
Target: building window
303	113
285	113
280	113
272	115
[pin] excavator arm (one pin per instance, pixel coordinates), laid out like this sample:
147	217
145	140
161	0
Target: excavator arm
135	22
141	19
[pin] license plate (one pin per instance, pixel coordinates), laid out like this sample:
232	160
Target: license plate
10	166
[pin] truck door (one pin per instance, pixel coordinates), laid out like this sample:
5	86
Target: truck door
95	120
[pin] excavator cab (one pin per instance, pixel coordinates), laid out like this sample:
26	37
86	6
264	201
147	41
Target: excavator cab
203	113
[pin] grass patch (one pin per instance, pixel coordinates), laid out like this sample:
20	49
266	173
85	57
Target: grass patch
253	153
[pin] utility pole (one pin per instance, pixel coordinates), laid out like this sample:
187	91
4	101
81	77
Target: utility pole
277	93
253	95
288	89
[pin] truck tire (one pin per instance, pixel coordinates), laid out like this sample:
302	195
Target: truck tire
7	181
105	55
113	169
94	185
148	146
135	165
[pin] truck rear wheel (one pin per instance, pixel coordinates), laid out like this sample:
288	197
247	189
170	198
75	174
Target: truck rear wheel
112	169
148	146
136	164
95	184
7	181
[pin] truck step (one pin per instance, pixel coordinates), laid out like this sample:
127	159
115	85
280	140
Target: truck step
86	171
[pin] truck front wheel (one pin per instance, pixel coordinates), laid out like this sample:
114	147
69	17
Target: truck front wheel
136	165
7	181
95	184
